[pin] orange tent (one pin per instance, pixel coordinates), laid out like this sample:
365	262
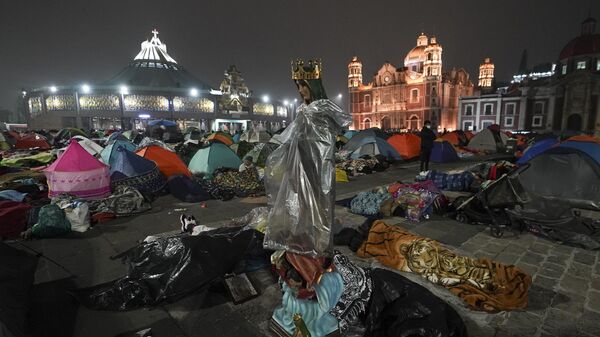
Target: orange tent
220	137
583	138
452	138
469	134
168	162
408	145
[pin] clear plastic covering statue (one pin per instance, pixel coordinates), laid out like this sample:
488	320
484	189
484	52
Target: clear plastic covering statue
300	174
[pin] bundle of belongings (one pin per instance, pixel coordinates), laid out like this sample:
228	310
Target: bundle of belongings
449	181
412	201
483	284
363	165
243	184
124	201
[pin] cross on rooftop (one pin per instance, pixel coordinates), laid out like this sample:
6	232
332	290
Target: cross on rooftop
155	32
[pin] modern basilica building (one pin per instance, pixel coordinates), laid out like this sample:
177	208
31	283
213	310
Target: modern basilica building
153	86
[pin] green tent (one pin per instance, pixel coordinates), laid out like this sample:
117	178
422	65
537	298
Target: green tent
261	152
241	148
212	157
110	151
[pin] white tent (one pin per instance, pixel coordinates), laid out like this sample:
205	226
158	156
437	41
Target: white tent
485	140
255	136
89	145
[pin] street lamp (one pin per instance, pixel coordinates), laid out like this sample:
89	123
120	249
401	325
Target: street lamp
86	89
53	89
194	92
265	98
339	96
124	90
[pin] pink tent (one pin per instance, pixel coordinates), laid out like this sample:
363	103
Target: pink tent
77	172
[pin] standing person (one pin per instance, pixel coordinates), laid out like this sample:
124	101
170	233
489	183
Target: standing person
427	138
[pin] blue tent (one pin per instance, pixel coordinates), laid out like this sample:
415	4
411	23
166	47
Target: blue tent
109	152
161	122
366	142
443	152
537	148
116	135
350	134
592	149
129	169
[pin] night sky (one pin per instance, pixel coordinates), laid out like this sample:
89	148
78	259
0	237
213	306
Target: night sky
70	42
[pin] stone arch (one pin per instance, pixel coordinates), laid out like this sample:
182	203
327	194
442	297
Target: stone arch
386	123
413	122
367	123
574	122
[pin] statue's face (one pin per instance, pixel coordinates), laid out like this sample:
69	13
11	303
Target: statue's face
304	92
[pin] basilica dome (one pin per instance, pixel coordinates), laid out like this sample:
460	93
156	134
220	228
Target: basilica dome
587	43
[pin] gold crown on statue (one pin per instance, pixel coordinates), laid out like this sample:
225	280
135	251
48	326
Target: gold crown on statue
300	73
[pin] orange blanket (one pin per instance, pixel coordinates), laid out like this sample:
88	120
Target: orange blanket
482	283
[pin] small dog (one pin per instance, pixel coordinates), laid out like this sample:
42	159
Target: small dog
188	222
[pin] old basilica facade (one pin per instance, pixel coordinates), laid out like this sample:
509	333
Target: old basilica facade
401	98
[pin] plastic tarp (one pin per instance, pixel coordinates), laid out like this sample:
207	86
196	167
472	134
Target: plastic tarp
17	270
32	141
300	181
171	267
212	157
253	136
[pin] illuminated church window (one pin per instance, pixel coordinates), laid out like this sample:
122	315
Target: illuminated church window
281	111
60	102
35	105
99	102
263	109
581	65
414	95
564	69
141	102
193	104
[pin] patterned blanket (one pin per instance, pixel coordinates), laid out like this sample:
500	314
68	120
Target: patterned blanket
484	284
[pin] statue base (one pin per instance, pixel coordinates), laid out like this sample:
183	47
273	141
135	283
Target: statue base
278	331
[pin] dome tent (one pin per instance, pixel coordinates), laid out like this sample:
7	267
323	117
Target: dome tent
536	149
367	142
261	152
212	157
488	140
89	145
168	162
254	136
408	145
78	172
220	136
443	152
109	152
129	169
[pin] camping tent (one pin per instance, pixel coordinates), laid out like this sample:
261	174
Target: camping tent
168	162
408	145
129	169
443	152
456	138
108	154
212	157
77	172
572	183
220	136
350	133
260	152
537	148
242	148
4	145
588	145
254	136
488	140
63	136
32	140
469	135
366	142
89	145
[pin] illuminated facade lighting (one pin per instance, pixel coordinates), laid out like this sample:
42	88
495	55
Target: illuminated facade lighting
285	102
194	92
265	99
144	116
86	89
53	89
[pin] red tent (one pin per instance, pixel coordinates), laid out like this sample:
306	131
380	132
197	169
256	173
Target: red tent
32	140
